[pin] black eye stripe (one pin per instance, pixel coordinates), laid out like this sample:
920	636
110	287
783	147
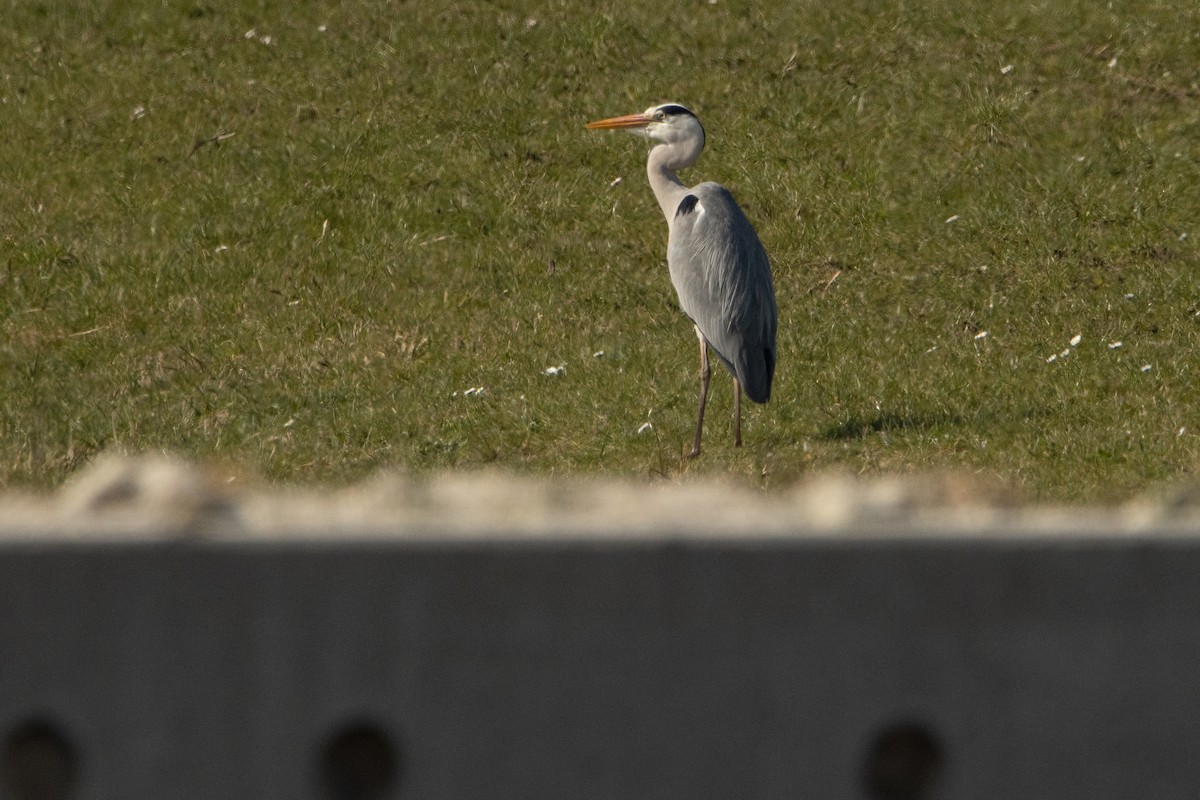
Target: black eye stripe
673	109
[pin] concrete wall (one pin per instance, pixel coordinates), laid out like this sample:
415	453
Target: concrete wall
907	658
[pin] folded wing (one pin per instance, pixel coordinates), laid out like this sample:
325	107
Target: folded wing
723	278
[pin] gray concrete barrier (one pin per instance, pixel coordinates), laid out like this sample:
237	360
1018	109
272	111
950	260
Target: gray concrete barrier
164	635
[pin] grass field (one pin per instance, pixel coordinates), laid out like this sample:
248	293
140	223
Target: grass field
310	241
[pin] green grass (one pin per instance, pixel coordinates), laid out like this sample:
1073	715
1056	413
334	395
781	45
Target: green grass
295	254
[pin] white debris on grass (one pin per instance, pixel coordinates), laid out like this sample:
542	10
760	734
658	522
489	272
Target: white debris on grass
555	370
1115	345
952	218
598	354
474	391
1007	68
1147	367
1075	340
139	111
981	335
645	426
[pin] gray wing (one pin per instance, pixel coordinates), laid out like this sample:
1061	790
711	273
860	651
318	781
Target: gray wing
723	278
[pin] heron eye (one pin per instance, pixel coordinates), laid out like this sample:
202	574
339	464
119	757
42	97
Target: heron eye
660	116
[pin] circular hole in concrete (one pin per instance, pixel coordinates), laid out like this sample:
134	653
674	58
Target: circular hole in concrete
359	761
904	763
38	762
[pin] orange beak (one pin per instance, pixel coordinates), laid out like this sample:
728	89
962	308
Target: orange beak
627	121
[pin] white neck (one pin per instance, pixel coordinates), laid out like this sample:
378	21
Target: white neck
664	159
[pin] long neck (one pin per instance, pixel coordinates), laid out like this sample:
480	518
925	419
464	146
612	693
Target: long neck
660	168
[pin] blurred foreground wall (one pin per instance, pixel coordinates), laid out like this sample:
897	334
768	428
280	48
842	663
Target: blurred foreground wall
164	637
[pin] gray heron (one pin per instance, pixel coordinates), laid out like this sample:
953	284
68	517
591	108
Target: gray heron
717	263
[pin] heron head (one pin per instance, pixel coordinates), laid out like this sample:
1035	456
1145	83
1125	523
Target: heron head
669	123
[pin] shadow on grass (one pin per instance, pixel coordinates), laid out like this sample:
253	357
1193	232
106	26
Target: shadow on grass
862	427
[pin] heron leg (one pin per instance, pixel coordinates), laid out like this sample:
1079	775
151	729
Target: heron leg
737	413
704	375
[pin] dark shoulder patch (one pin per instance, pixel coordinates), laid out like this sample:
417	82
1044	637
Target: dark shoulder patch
687	205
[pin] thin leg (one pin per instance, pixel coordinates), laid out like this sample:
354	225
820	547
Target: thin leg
704	374
737	413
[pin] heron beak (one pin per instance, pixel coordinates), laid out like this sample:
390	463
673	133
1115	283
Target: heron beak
627	121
